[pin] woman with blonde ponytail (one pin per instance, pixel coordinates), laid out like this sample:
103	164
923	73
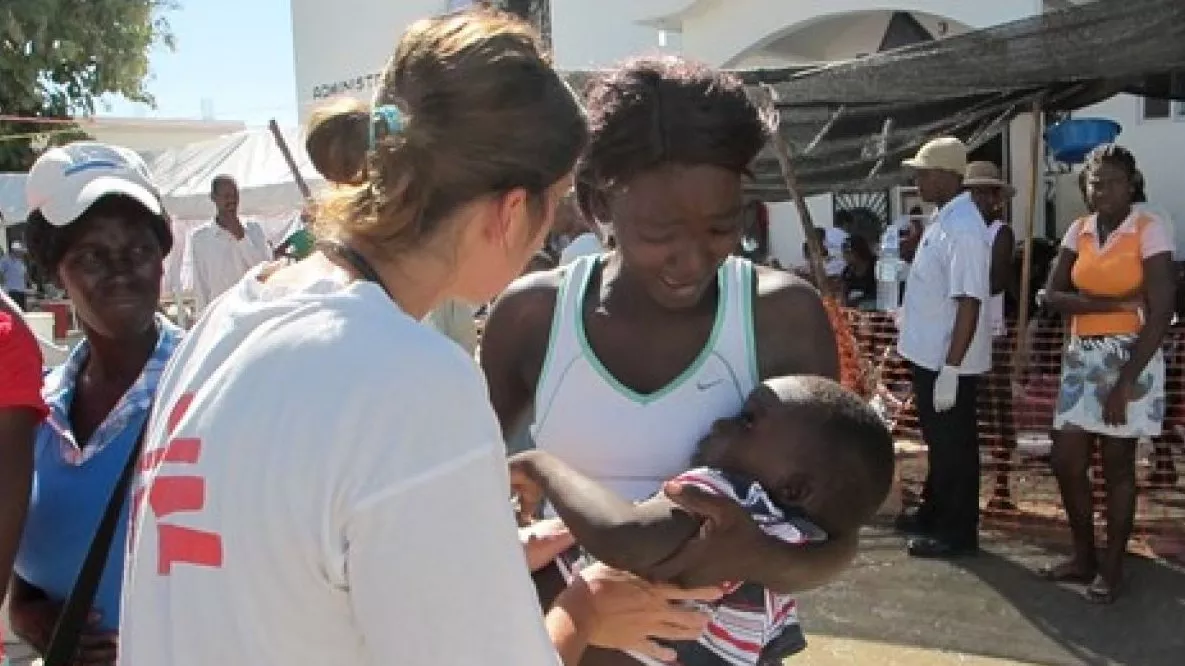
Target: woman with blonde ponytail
323	479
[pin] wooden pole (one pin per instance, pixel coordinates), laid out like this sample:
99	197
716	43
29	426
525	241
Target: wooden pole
282	144
853	371
1020	355
782	152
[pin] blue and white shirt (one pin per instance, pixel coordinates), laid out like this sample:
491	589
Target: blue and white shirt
72	484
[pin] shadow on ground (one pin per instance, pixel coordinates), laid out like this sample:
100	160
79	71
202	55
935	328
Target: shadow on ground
993	605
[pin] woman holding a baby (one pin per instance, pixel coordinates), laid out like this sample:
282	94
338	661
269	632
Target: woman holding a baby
623	361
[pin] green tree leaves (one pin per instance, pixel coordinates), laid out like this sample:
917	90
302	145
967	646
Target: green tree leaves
58	57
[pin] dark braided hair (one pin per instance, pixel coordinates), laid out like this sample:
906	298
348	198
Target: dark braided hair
1120	158
655	111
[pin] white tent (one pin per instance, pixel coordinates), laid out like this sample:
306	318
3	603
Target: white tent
267	188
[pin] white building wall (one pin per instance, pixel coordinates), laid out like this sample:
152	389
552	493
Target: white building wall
592	35
1019	155
1159	148
340	46
720	32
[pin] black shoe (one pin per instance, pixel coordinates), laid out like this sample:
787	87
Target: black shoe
910	523
937	549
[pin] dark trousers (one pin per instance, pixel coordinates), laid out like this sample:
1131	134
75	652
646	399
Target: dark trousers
20	298
950	497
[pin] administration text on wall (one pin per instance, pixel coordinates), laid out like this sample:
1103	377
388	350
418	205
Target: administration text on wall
358	84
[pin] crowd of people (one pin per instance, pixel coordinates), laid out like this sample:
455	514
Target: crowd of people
1113	278
309	473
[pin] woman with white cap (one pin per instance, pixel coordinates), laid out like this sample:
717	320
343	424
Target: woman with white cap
97	229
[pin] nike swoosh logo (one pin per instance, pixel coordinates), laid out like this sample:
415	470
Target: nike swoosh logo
704	386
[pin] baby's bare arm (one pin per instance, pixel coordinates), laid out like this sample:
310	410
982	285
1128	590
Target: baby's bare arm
624	535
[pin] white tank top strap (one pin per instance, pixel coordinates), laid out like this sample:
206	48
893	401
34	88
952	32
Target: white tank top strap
737	342
563	344
629	441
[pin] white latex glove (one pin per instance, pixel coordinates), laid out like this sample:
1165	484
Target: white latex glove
946	388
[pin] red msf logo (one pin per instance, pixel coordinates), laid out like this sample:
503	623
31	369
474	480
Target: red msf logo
178	493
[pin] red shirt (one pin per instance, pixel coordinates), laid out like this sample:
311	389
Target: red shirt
20	366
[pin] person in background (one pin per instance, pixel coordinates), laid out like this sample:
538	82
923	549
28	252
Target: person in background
904	233
991	195
98	229
568	225
590	242
14	275
909	234
218	253
355	506
946	338
804	270
1114	279
298	243
903	236
859	275
833	239
21	409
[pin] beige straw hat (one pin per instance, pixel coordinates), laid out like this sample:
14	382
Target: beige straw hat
986	174
943	154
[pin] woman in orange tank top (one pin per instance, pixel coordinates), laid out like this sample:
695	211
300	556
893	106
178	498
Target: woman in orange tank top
1114	280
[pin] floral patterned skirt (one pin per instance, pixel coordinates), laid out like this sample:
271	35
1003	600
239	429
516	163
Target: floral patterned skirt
1090	367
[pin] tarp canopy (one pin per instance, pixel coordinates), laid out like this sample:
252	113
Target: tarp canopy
267	189
850	124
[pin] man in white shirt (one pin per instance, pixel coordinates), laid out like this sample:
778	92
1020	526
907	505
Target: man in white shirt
220	252
945	336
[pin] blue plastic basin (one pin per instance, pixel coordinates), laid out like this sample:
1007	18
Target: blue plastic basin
1071	140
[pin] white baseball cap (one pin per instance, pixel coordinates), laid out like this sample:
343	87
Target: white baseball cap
66	181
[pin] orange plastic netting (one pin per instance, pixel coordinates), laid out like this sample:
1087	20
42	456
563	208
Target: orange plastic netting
1015	413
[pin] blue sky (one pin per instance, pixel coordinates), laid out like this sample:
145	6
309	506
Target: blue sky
235	53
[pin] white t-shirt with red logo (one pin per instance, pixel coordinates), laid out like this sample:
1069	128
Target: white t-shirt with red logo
324	482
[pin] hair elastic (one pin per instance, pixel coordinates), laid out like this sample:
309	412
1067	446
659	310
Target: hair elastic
385	120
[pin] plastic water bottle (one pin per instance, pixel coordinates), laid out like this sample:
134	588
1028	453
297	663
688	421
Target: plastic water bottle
888	278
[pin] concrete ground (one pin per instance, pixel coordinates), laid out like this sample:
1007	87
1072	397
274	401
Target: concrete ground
892	610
